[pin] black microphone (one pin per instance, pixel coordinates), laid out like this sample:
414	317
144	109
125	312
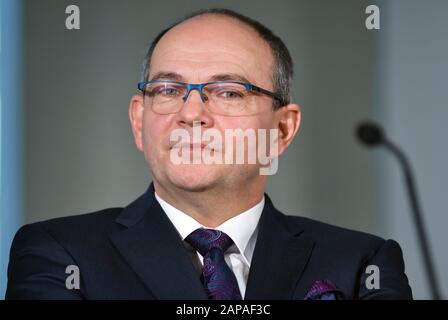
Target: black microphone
372	135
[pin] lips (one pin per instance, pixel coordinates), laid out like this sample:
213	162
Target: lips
192	146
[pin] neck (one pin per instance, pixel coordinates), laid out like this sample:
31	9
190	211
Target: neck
211	207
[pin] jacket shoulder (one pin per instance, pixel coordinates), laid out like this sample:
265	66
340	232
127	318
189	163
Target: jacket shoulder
41	251
71	229
331	234
97	217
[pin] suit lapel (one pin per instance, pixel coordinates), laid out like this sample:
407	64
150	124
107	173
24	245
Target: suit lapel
279	259
152	247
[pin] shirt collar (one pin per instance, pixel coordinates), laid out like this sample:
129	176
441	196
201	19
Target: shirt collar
241	228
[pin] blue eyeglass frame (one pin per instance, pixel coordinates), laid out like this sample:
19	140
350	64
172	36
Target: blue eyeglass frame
199	86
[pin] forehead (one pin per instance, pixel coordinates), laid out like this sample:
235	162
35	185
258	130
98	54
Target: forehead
213	44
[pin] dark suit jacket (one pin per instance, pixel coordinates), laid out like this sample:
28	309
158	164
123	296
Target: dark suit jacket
136	253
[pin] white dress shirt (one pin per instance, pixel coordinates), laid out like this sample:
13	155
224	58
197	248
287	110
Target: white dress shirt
242	229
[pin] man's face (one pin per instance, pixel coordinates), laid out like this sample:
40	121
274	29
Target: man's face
198	51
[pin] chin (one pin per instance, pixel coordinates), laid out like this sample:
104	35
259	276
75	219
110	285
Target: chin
194	177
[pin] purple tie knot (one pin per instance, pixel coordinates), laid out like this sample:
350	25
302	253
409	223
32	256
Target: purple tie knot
203	240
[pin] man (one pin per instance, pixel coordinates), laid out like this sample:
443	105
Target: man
206	230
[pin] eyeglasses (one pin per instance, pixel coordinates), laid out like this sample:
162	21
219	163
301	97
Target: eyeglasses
230	98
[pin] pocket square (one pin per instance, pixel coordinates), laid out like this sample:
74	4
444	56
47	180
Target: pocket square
324	290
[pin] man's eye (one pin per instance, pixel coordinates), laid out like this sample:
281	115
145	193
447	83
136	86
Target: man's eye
230	94
172	92
164	91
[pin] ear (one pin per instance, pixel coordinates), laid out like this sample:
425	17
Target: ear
136	107
288	123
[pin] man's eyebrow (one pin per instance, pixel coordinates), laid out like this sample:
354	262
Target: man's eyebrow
229	77
167	75
164	75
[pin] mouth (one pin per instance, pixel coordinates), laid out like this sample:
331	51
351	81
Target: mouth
192	146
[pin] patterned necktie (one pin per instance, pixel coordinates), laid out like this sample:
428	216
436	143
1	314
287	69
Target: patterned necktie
218	280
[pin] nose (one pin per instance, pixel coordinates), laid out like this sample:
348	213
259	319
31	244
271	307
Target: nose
193	110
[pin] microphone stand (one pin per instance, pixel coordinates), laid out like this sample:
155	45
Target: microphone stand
417	215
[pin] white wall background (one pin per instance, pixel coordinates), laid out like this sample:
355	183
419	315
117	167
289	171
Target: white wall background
411	91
